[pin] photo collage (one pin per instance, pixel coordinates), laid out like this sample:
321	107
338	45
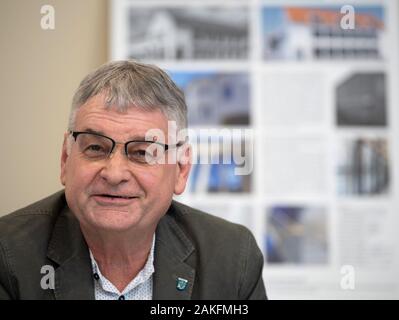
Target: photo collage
313	89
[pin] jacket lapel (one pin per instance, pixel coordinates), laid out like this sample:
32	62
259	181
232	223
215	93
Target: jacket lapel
67	248
173	277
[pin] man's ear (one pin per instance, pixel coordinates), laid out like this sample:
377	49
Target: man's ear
183	168
64	157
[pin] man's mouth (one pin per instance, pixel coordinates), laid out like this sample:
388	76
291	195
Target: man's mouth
115	196
113	199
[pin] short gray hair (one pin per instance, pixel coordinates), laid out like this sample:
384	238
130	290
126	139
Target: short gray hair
128	84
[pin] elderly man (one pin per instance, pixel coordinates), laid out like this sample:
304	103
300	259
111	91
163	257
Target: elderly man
115	232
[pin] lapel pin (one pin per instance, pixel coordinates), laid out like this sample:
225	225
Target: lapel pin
181	284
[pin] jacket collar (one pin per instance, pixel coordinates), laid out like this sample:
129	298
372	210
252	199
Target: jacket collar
173	277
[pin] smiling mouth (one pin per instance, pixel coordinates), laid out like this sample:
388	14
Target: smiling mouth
111	196
113	199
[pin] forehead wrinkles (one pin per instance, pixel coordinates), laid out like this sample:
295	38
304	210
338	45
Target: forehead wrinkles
116	118
125	123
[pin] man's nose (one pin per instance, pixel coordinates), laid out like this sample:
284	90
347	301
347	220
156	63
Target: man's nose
116	168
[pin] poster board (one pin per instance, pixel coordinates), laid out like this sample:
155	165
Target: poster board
319	93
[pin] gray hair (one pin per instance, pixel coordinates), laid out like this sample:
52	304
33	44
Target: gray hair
129	84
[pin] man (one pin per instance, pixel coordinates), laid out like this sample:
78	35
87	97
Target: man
114	232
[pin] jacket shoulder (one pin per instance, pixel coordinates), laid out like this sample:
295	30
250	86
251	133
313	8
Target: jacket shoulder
28	230
24	239
27	221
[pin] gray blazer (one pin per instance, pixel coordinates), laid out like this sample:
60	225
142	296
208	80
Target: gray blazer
219	259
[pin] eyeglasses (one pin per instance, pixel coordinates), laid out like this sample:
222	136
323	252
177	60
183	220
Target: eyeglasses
96	147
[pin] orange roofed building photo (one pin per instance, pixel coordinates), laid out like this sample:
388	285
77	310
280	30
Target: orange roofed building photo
313	33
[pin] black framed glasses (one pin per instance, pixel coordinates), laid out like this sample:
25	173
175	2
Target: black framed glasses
95	147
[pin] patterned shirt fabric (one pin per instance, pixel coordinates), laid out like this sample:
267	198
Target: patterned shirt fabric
140	288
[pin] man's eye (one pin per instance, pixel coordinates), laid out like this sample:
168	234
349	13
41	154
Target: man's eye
139	153
94	149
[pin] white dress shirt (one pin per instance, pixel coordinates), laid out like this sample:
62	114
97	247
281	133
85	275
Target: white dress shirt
140	288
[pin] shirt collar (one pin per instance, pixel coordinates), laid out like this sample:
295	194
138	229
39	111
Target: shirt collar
144	274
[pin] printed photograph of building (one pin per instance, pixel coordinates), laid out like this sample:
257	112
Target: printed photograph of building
207	33
218	177
363	167
361	100
315	33
220	168
296	235
215	98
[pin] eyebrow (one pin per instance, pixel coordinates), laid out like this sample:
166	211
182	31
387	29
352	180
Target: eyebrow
132	138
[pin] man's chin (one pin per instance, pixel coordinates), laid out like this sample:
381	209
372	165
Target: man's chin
115	220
